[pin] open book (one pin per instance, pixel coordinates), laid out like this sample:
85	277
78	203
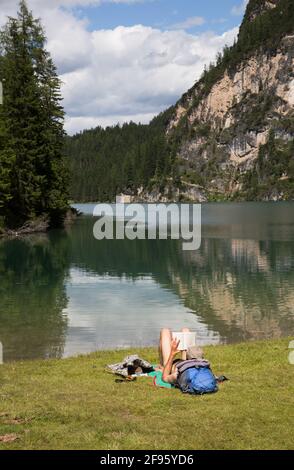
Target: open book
187	339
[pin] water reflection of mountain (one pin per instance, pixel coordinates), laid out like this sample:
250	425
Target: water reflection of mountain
32	296
244	287
240	288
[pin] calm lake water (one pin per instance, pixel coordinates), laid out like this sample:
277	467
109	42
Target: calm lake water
66	293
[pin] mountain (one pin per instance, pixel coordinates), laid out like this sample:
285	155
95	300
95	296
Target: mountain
237	123
230	137
258	7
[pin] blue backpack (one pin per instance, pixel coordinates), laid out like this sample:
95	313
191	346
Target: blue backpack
197	380
201	381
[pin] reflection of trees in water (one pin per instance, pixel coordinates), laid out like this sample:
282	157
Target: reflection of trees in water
32	296
240	288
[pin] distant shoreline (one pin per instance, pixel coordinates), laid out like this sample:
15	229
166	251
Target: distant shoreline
38	225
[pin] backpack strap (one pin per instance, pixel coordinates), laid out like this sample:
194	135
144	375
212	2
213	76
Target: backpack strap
189	364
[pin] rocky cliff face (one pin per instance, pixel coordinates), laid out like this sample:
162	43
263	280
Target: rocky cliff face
249	107
258	7
230	137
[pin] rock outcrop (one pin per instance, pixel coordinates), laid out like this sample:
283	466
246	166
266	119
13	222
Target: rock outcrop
225	127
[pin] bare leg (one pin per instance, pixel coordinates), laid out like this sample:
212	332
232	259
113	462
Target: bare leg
165	345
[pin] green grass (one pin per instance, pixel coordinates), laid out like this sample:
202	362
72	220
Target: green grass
74	404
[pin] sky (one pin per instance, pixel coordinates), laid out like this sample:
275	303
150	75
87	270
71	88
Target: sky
128	60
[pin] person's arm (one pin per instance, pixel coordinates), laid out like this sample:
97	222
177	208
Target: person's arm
167	376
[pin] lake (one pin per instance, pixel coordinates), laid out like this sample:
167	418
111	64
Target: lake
65	293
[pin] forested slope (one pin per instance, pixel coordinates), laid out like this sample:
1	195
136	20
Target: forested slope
229	137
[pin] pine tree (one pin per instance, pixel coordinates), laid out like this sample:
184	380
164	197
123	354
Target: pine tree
7	159
33	120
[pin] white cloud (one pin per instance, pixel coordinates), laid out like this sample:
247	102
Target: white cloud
238	10
121	74
135	72
189	23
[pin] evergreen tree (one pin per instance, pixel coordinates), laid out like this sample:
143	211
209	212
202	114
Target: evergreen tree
7	159
33	120
104	162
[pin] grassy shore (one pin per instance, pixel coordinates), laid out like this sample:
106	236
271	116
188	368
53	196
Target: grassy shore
74	404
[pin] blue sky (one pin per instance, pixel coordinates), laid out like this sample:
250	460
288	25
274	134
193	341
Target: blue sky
128	60
218	15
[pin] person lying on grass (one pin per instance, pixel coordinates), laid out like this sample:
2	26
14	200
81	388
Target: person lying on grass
168	350
192	373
